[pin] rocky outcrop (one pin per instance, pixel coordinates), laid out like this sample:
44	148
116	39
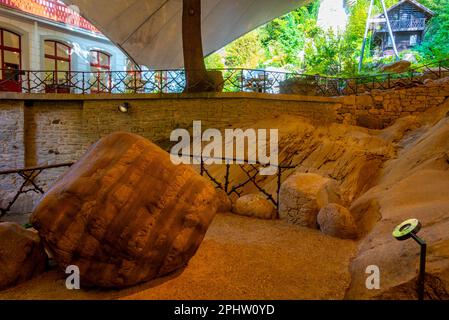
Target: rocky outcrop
415	185
256	206
22	255
302	196
125	214
397	66
336	221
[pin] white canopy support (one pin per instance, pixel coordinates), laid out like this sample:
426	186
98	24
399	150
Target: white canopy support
150	32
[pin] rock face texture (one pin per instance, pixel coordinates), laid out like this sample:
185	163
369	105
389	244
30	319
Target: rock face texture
336	221
22	255
302	196
415	185
254	205
397	67
385	177
125	214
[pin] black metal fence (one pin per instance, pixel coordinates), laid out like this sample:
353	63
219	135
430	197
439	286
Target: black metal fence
29	183
123	82
234	80
250	169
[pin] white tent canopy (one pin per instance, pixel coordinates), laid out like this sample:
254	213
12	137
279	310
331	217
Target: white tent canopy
150	31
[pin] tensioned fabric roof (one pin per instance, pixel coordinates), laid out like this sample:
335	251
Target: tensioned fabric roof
150	30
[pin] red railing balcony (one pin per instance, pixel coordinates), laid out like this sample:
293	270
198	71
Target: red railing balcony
54	10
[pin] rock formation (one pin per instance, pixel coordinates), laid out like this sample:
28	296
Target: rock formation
397	66
303	195
349	181
415	185
255	205
385	177
125	214
22	255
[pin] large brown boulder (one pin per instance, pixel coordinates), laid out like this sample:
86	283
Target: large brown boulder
125	214
22	255
302	196
255	206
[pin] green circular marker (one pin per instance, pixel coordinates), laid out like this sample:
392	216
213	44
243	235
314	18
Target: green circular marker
406	229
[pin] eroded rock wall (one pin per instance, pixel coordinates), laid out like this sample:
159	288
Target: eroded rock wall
415	184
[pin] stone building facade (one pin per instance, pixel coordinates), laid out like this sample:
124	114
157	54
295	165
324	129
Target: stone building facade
30	28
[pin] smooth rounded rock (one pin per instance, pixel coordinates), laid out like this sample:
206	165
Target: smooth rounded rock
336	221
255	205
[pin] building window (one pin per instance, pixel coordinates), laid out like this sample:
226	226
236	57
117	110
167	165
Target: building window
10	60
100	66
57	64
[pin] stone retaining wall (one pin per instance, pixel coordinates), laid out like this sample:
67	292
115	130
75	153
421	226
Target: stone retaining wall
379	109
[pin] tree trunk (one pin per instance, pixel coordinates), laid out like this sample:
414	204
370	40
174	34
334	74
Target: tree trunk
197	79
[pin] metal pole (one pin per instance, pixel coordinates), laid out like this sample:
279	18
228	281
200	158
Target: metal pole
279	181
228	168
368	22
264	81
422	265
202	166
390	31
84	82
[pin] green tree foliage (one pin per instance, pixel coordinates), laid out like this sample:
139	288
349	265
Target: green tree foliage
294	42
435	44
214	61
245	52
329	54
285	38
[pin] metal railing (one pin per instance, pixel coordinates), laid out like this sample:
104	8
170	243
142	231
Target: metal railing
403	25
251	169
122	82
29	183
234	80
230	187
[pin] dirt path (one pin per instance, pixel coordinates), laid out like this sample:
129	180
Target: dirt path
240	258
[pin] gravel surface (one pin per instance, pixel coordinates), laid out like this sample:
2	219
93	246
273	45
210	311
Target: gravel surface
240	258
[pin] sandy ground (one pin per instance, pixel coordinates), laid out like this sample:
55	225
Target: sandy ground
240	258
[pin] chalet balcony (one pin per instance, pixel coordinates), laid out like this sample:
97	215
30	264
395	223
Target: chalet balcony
402	25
